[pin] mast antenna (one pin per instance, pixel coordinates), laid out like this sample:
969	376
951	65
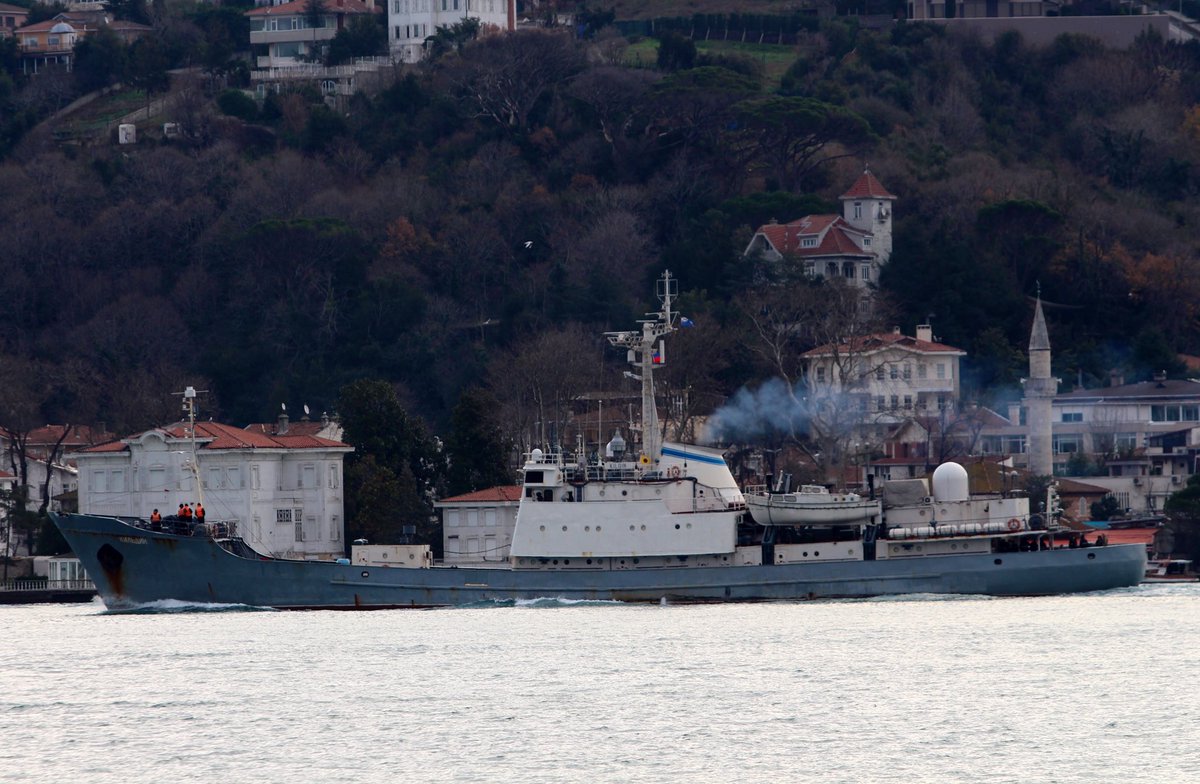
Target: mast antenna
189	407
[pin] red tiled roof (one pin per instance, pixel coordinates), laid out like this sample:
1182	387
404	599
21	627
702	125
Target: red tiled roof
882	340
13	9
5	474
299	8
80	435
41	27
867	187
300	428
214	435
831	231
1128	535
494	494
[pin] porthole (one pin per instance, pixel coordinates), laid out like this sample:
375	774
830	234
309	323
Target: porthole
564	528
555	562
1091	556
624	492
636	560
816	554
566	562
677	526
587	528
597	529
366	574
541	528
998	562
805	553
689	525
643	527
632	528
589	562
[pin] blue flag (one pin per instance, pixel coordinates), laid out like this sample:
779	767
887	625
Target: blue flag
684	321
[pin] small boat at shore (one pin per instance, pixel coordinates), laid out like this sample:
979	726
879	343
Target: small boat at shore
1171	570
661	521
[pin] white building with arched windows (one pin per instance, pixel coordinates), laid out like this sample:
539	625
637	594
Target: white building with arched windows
410	22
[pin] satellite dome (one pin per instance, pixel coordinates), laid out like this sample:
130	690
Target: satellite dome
950	483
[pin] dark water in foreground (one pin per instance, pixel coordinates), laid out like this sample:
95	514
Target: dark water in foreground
1092	688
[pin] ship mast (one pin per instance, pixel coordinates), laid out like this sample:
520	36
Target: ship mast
645	351
189	405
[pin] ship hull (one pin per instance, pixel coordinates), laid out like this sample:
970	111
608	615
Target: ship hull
131	566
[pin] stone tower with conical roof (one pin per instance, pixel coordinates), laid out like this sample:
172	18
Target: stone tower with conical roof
867	206
1040	389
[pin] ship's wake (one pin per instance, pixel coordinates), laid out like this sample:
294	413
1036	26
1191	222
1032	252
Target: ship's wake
174	606
541	602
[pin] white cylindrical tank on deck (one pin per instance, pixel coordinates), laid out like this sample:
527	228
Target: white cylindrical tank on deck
950	483
126	133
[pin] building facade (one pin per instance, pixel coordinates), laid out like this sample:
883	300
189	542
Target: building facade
410	22
854	245
887	377
287	35
12	18
478	527
283	492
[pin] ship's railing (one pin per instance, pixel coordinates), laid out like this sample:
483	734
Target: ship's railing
47	585
543	458
216	529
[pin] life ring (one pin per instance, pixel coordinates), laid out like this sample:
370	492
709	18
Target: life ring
674	472
644	460
1014	524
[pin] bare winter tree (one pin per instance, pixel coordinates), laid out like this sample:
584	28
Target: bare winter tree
538	383
821	404
505	76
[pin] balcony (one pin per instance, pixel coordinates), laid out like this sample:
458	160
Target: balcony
292	36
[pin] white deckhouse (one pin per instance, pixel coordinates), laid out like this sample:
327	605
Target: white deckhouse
284	492
410	22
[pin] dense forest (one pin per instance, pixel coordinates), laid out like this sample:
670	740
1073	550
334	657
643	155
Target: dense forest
478	222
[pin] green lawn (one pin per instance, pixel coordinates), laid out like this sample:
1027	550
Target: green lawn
774	59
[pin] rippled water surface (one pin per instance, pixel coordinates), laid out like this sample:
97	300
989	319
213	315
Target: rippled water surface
1091	688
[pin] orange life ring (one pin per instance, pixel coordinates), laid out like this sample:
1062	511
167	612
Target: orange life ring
1014	524
674	472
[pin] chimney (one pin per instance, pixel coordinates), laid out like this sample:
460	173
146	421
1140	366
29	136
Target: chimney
282	426
925	332
895	330
1160	377
1115	378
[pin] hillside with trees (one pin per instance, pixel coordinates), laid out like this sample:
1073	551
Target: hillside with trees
478	223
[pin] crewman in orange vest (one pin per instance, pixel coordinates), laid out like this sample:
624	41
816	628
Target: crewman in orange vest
199	512
155	517
186	514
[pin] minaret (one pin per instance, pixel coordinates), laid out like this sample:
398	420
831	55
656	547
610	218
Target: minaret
1040	389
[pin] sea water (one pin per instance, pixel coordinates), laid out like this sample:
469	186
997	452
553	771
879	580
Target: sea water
1088	688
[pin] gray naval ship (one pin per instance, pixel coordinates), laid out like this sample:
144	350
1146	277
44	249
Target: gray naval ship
666	522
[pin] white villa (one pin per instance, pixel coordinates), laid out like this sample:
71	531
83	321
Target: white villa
284	491
887	377
410	22
854	245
